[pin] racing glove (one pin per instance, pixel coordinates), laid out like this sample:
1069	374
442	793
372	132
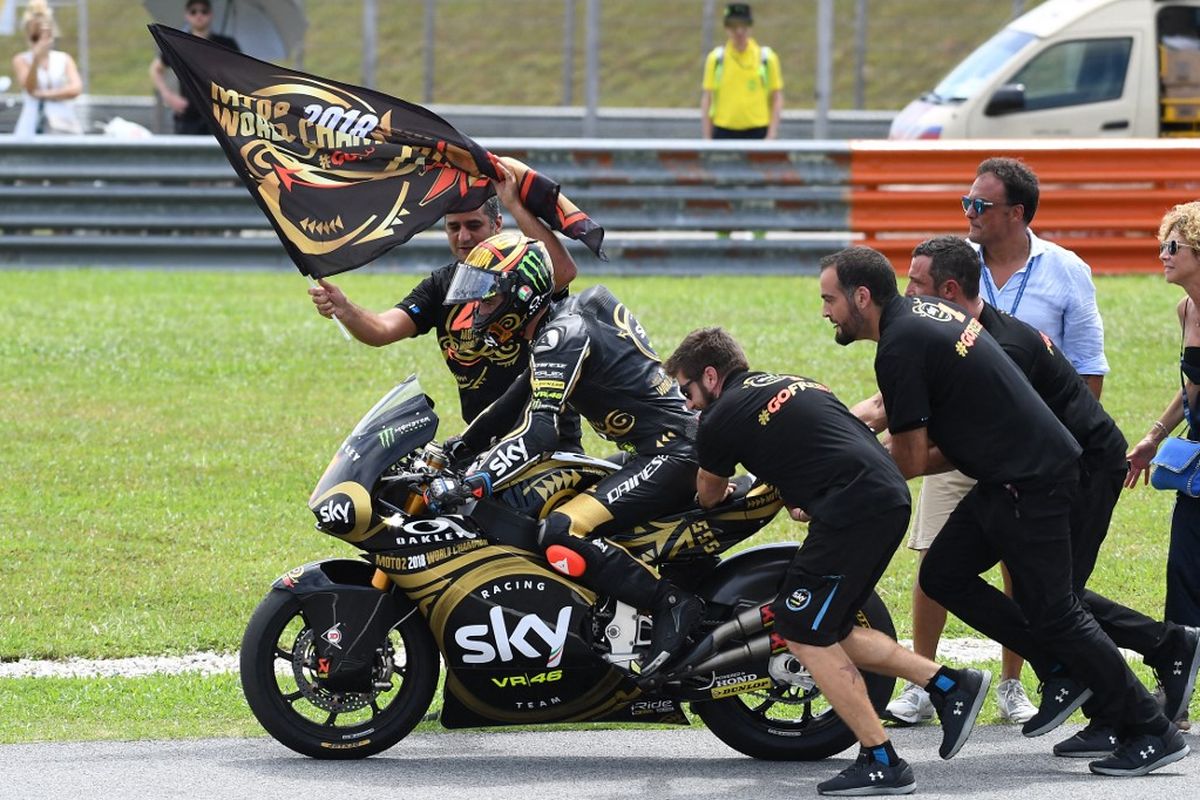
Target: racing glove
445	495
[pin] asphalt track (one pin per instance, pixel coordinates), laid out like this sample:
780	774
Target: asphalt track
687	764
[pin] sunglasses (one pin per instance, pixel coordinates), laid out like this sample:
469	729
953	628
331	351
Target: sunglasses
1172	247
979	204
686	388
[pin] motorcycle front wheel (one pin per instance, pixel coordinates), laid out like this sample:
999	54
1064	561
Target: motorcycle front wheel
792	720
278	663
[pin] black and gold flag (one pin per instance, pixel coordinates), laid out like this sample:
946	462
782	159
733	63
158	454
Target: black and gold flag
344	173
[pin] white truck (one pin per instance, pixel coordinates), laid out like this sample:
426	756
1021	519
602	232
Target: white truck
1072	68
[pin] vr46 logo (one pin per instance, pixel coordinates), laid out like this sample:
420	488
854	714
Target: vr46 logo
485	643
528	680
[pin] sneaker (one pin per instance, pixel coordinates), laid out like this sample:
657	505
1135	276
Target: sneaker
1139	755
864	778
1013	702
675	613
1060	697
1178	677
959	707
911	707
1094	741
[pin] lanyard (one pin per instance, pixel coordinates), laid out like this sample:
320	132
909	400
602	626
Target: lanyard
987	284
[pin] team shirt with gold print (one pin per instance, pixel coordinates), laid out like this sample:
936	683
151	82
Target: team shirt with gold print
590	355
793	433
938	368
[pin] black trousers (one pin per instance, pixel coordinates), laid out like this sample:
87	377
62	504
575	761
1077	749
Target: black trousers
739	133
1183	563
1091	514
1029	529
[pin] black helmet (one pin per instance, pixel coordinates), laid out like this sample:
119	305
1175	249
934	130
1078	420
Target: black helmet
510	265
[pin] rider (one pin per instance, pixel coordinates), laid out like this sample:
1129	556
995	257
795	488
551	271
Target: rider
587	353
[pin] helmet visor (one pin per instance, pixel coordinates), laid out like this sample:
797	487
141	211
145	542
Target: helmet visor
471	283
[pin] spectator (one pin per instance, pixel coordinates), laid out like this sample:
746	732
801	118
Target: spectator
1179	250
743	86
482	373
793	433
48	78
188	120
1049	288
954	397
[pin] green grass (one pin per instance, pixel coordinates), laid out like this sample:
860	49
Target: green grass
163	430
511	53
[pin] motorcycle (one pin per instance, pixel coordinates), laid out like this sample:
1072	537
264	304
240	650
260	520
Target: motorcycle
341	658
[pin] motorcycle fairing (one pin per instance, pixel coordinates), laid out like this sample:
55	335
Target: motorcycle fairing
400	423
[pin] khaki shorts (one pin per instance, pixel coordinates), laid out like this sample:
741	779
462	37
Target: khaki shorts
940	494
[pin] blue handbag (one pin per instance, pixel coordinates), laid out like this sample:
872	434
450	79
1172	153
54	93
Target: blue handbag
1176	466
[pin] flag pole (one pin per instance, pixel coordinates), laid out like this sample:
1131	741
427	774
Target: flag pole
341	327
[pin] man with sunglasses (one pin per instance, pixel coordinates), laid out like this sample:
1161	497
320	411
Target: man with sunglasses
1049	288
188	120
482	372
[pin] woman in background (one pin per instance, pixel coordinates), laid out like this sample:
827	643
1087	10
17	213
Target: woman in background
1179	251
48	78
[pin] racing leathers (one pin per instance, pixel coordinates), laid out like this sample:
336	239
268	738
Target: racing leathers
590	354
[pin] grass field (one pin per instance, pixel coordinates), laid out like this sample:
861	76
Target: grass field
163	430
511	52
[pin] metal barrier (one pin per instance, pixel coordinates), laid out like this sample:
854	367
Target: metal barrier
1101	199
669	206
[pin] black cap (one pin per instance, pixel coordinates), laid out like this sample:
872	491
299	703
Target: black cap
738	12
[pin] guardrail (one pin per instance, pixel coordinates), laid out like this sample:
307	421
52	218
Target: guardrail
669	206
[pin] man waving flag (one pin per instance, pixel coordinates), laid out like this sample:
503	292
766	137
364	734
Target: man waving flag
345	173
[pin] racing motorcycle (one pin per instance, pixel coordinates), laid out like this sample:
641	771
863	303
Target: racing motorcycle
342	658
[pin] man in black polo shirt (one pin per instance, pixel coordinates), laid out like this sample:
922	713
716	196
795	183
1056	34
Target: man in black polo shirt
792	432
947	267
953	397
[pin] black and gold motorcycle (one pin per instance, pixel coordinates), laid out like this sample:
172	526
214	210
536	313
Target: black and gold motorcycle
342	658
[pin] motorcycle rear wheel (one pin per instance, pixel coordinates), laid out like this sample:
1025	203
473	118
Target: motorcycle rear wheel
789	723
277	670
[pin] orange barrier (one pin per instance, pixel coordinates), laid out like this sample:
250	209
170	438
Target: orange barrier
1104	200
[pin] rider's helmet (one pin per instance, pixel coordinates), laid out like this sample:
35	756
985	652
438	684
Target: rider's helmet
512	268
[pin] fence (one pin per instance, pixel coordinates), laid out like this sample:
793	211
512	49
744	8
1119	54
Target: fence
679	207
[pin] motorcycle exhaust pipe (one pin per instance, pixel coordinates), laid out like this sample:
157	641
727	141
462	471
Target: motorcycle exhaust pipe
744	625
757	649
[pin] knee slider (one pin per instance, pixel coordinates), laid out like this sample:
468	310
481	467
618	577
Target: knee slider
561	548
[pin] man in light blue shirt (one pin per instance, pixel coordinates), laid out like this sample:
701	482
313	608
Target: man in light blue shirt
1036	281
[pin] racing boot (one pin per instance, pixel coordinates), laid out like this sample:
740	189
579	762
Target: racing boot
608	569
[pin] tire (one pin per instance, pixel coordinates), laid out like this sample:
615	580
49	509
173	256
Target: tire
794	723
286	698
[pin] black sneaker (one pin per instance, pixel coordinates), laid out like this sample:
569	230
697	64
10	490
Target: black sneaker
675	613
864	778
959	707
1060	698
1178	677
1139	755
1094	741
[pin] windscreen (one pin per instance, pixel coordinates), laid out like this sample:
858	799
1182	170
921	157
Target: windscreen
979	68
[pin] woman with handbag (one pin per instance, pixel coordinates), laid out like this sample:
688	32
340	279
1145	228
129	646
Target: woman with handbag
1176	464
49	78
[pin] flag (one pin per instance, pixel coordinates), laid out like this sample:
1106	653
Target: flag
345	173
